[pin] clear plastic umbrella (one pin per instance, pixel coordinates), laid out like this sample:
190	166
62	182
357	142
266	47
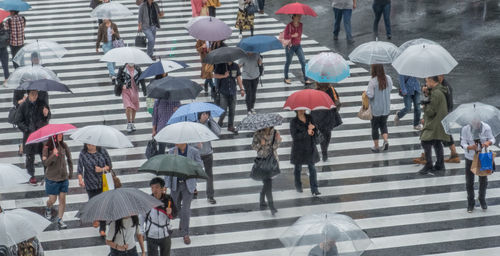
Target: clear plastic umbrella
424	60
327	67
102	135
124	55
110	10
324	233
185	132
19	225
375	52
417	41
466	113
30	73
39	52
12	175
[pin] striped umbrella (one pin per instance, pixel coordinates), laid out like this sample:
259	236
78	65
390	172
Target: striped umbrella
116	204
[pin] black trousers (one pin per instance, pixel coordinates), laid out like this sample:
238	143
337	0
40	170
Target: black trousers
469	183
164	245
4	59
438	149
378	123
327	136
92	193
267	192
208	161
13	51
211	11
250	86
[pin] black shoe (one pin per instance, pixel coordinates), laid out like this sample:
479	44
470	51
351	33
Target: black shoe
299	189
335	37
483	204
439	169
325	157
195	194
385	146
316	193
220	122
273	210
206	88
232	129
113	81
262	205
470	208
211	200
389	37
425	171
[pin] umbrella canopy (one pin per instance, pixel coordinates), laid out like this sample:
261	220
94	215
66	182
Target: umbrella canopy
3	15
211	29
185	132
259	121
110	10
297	8
102	135
173	88
424	60
44	85
192	20
467	113
116	204
311	230
124	55
162	67
173	165
374	52
417	41
48	131
308	99
260	44
327	67
38	52
14	5
19	225
11	175
224	55
30	73
189	112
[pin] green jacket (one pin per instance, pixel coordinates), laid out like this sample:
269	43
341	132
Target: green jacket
434	112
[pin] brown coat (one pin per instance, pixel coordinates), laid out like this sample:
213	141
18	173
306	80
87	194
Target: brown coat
102	34
206	69
57	169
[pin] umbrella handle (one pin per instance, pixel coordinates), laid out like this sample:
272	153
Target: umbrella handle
170	206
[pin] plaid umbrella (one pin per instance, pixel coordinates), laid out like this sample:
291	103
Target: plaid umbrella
260	121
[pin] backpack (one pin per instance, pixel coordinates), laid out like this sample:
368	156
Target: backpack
167	203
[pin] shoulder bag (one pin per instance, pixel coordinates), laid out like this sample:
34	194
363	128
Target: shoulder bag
284	42
151	149
265	167
251	9
118	42
12	115
140	40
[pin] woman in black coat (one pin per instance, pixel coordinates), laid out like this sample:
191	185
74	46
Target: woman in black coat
128	87
304	150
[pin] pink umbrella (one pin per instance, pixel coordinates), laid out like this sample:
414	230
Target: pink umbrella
3	14
48	131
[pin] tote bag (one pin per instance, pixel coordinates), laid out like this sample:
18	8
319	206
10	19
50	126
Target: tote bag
107	181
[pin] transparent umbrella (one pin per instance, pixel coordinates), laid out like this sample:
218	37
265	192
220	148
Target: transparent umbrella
111	10
30	73
38	52
466	113
374	52
185	132
11	175
102	135
424	60
409	43
20	225
327	67
124	55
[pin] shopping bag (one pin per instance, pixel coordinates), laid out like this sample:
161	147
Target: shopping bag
476	166
486	161
365	114
107	182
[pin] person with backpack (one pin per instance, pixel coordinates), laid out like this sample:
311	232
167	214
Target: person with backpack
128	87
410	89
155	224
250	73
121	237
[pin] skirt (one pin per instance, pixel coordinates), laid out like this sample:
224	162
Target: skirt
244	21
130	97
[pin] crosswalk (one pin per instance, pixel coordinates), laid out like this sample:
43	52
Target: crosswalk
403	213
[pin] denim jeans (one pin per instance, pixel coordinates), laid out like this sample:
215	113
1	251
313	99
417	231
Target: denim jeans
228	101
261	4
384	9
150	33
408	100
313	182
4	59
106	47
339	13
297	49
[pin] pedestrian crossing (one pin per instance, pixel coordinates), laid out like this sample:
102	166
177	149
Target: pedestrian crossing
403	213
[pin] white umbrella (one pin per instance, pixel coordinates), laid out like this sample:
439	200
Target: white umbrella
185	132
124	55
424	60
102	135
110	10
39	51
374	52
192	20
327	67
10	175
467	113
19	225
417	41
30	73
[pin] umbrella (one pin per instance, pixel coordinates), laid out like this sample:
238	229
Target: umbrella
297	8
110	10
192	20
124	55
417	41
466	113
19	225
161	67
3	15
48	131
327	67
308	99
102	135
424	60
260	44
44	85
185	132
30	73
173	88
211	29
311	230
38	51
259	121
10	175
374	52
116	204
224	55
14	5
189	112
173	165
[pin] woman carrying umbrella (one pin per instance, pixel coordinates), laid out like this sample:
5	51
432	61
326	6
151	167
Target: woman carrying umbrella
293	32
127	86
121	237
244	20
206	69
107	33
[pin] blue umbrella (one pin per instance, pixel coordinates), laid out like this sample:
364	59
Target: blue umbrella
161	67
14	5
260	44
189	112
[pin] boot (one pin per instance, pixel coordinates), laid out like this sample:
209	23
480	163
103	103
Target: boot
262	204
420	160
454	158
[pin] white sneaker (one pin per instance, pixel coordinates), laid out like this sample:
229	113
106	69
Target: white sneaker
419	127
240	36
129	127
249	112
253	111
132	126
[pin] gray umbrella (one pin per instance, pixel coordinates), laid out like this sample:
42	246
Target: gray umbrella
260	121
116	204
224	55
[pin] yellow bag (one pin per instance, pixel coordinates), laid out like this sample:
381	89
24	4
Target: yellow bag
107	181
213	3
365	100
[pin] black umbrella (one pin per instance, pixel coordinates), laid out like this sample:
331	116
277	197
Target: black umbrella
224	55
173	88
44	85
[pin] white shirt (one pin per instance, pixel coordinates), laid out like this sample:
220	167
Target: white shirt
466	139
126	235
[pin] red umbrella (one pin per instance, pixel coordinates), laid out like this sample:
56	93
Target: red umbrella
297	8
308	99
49	130
3	14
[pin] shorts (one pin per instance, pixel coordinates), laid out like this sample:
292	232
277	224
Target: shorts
449	143
56	187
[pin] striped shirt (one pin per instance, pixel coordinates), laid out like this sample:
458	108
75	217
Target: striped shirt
16	25
86	167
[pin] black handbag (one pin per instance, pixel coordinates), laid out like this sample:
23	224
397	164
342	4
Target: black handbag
12	115
251	9
265	167
151	149
317	137
140	40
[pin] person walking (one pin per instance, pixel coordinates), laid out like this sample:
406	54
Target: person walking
410	89
293	32
261	5
382	7
206	69
4	54
244	20
266	142
196	6
304	149
149	22
15	24
454	158
250	74
473	138
379	93
121	237
107	33
343	9
212	5
128	88
92	163
229	75
162	111
56	157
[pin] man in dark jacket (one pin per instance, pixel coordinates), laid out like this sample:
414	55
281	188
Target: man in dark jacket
31	116
149	22
454	158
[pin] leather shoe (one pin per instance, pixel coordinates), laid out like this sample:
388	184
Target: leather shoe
425	171
316	193
187	240
232	129
211	200
470	208
299	189
483	204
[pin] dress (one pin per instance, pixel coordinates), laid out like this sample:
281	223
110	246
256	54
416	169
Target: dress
130	96
243	20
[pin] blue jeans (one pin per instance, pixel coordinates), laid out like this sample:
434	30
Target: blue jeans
346	13
297	49
408	100
261	4
313	182
106	47
150	33
4	59
380	9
